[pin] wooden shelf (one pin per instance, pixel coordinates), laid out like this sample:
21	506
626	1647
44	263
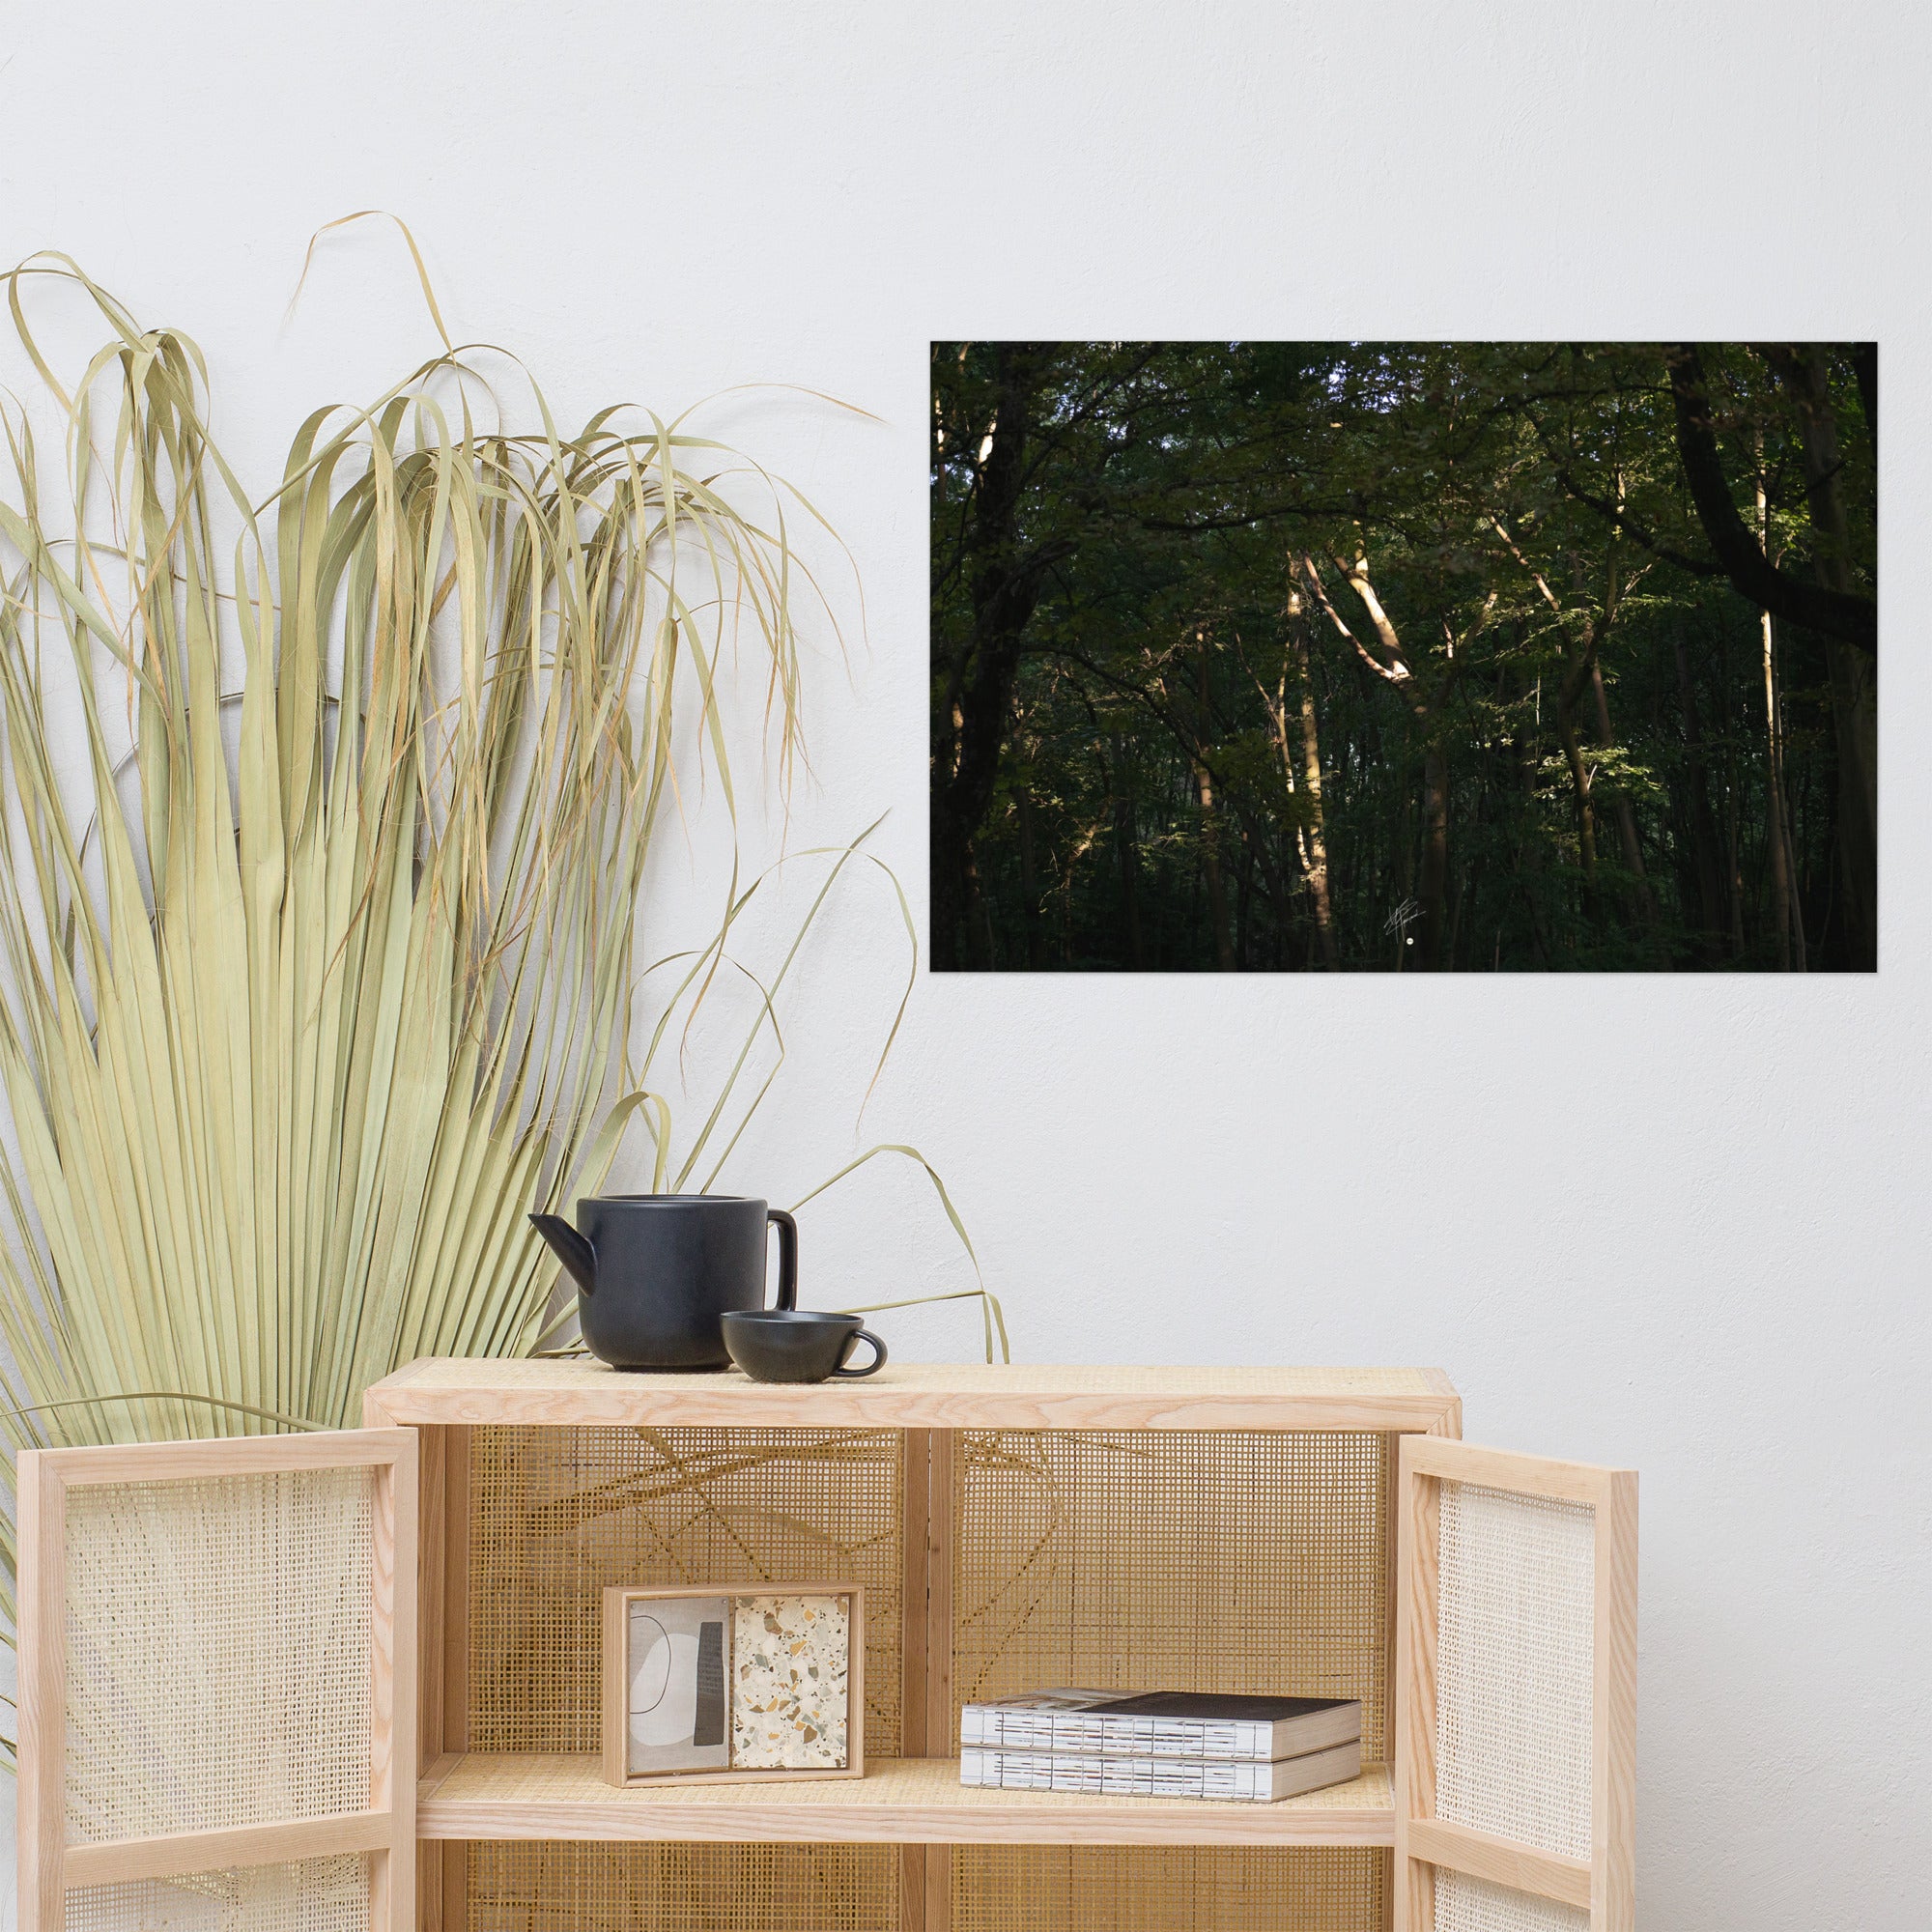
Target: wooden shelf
899	1801
917	1395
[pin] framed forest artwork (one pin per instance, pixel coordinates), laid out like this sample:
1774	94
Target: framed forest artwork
1405	657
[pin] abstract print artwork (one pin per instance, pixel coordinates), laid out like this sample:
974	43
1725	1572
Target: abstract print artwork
677	1684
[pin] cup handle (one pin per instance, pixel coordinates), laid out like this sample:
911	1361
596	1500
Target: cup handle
787	1257
872	1366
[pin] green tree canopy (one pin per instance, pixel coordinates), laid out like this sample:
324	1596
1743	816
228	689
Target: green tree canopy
1388	656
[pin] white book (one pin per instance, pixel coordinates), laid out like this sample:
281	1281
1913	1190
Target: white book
1231	1781
1162	1723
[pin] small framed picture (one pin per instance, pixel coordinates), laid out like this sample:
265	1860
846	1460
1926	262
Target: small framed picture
751	1684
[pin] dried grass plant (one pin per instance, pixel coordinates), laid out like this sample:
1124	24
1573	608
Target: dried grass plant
320	973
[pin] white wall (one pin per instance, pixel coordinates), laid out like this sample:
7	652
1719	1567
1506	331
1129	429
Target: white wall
1677	1223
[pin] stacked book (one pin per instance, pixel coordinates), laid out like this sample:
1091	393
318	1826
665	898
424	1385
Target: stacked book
1164	1743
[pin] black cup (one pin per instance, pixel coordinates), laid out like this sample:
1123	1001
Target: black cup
789	1345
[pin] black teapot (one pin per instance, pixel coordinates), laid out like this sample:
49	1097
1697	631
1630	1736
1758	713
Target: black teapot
655	1272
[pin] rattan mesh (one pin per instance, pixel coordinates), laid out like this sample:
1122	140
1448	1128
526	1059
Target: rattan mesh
1201	1560
313	1895
558	1514
539	1886
217	1651
1173	1560
1120	1889
1465	1904
1513	1666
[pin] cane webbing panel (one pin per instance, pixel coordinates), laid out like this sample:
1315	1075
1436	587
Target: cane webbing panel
558	1514
1465	1904
313	1895
1250	1561
538	1887
1139	1888
218	1653
1513	1666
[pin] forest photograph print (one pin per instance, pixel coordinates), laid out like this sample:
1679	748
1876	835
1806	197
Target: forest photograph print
1405	657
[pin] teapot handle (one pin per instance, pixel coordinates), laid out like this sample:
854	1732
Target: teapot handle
787	1258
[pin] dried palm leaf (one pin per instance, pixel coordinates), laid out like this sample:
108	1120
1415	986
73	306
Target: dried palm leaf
316	981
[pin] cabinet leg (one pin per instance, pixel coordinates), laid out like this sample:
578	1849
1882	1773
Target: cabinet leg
925	1889
443	1873
912	1888
938	1888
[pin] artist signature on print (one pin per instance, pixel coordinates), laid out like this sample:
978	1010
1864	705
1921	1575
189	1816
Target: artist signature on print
1401	918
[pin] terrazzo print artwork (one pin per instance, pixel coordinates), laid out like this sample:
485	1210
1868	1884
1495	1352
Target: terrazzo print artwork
790	1656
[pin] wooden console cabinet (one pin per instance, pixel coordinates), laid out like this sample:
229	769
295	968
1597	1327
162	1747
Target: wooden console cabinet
1315	1530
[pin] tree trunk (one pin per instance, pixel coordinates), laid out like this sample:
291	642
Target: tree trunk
1028	875
1311	786
1801	956
1703	825
1576	675
1734	878
1783	901
1210	866
1625	813
1530	854
1580	784
1432	887
970	714
1126	846
1853	672
1210	856
1775	849
1244	899
1855	727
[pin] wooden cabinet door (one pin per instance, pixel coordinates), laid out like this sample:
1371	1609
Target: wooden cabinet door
217	1684
1516	1692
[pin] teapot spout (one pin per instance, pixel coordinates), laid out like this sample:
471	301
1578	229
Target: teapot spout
570	1248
